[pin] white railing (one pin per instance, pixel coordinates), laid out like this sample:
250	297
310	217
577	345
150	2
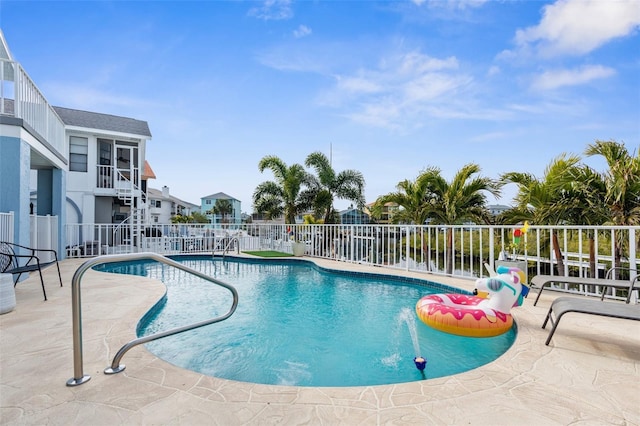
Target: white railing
405	247
84	240
20	97
43	232
104	177
6	226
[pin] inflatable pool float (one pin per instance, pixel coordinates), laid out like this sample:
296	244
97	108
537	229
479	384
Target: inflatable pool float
476	316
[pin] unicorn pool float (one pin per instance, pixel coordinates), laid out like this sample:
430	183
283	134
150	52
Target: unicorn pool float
486	314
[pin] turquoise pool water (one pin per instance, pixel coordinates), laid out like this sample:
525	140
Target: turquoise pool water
298	324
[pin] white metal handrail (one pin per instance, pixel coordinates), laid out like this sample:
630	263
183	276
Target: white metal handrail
228	246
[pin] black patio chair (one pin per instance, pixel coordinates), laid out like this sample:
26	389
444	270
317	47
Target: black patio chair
10	262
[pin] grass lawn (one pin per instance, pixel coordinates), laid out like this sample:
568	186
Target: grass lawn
268	253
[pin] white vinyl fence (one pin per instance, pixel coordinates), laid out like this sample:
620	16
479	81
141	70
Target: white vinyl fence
6	226
44	235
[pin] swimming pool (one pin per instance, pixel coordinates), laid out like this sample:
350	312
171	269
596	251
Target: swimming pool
299	324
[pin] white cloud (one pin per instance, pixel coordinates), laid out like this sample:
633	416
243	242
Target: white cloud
383	114
416	63
358	85
302	31
577	27
401	88
430	86
272	10
550	80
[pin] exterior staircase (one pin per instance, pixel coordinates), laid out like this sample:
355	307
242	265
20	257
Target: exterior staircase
127	234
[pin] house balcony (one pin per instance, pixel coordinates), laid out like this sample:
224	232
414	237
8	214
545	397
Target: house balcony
113	182
23	105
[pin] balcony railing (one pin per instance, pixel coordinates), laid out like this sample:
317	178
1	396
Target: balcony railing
21	98
108	177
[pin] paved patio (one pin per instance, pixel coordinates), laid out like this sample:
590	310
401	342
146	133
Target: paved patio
588	375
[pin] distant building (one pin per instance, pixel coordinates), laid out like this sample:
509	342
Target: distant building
207	203
163	206
353	216
388	210
496	209
261	218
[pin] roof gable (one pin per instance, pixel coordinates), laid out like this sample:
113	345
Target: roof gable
219	196
95	120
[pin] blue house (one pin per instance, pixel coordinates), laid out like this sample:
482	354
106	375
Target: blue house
208	203
353	216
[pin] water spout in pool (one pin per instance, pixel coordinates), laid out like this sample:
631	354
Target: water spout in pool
407	316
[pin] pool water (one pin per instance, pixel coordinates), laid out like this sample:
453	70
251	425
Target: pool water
298	324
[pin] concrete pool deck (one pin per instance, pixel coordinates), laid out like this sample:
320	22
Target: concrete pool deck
588	375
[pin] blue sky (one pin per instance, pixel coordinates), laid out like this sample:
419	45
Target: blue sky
386	88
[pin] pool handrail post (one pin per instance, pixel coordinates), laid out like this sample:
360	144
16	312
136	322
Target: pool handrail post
76	318
78	375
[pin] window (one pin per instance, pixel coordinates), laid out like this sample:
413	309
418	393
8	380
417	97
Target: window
207	201
78	149
156	203
105	152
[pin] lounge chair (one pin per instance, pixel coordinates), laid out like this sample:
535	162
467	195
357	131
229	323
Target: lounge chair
562	305
540	281
10	262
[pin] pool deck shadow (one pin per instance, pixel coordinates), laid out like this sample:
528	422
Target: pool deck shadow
588	374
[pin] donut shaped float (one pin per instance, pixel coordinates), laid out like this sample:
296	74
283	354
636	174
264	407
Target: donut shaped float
462	315
474	316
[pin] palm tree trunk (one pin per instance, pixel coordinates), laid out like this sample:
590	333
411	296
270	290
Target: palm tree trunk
558	253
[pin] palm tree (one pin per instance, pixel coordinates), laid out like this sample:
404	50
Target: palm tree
621	186
410	197
621	181
458	201
284	196
179	219
223	208
544	201
346	185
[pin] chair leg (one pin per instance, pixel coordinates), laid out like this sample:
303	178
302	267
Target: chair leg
553	329
539	294
546	320
42	282
16	279
59	276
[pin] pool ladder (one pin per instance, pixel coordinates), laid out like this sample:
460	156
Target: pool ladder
228	246
78	375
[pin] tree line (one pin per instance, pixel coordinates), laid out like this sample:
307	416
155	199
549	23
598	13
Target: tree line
569	192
